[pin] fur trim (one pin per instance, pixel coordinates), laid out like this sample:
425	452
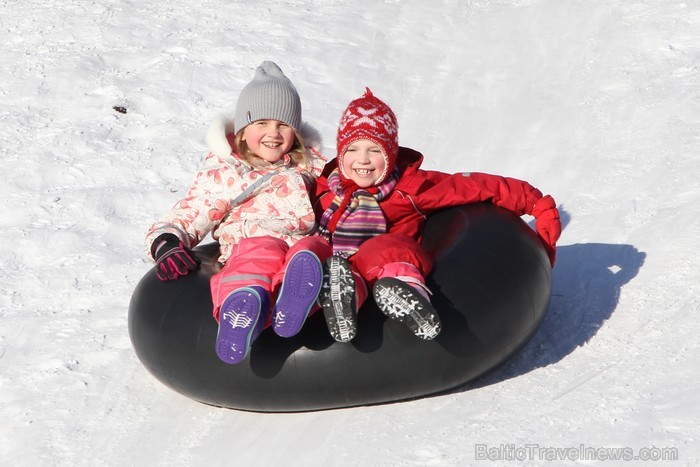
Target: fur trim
216	136
312	137
223	125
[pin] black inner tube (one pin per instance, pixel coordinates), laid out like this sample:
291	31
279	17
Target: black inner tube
491	286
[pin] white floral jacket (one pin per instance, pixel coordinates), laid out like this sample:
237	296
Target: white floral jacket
234	200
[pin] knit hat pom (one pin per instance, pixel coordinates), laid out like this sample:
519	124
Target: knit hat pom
369	118
269	96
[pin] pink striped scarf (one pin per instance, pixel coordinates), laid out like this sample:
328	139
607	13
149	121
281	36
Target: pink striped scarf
354	214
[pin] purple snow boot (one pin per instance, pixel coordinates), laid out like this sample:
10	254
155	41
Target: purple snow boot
300	287
241	320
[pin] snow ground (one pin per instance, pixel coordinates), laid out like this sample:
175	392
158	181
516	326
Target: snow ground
596	102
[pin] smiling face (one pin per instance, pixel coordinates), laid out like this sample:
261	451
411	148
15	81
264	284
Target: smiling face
363	162
269	139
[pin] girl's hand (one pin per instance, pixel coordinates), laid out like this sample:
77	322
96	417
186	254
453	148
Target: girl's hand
548	225
173	258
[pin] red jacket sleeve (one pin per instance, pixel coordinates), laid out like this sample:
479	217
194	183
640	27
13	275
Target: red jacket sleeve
457	189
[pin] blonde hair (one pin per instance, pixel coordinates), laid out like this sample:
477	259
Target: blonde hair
298	153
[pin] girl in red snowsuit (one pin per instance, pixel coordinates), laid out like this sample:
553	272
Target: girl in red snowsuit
373	200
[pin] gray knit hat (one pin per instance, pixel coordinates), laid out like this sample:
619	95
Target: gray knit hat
270	96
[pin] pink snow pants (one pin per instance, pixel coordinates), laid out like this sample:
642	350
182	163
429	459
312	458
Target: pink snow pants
261	261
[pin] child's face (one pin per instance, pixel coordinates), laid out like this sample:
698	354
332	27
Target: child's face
363	163
269	139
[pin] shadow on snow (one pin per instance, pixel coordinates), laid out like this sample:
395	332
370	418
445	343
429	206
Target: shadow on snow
587	281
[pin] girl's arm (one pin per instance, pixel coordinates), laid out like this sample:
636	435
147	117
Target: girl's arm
200	211
465	188
515	195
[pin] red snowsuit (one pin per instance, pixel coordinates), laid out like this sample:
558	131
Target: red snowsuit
419	193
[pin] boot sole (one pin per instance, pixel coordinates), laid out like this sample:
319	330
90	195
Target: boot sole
238	317
300	288
338	299
400	302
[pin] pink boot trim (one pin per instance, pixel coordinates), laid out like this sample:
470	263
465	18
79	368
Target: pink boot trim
408	273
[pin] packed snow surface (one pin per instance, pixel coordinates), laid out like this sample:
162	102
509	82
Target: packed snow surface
596	102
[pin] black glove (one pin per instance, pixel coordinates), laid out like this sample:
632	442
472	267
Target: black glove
173	258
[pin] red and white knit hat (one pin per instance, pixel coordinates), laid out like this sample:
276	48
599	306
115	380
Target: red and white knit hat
369	118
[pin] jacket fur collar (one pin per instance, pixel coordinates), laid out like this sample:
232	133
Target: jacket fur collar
221	130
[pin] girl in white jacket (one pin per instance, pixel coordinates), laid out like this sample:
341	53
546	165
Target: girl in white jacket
252	195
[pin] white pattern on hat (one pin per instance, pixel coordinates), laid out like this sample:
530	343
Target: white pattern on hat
369	118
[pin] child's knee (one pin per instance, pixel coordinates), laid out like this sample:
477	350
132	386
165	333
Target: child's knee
379	251
315	244
267	246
